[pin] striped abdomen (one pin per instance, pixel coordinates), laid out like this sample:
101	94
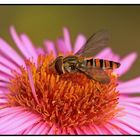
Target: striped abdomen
103	64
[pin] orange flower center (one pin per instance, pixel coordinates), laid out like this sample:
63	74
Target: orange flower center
67	100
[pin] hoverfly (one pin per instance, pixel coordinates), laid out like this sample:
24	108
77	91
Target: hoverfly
83	61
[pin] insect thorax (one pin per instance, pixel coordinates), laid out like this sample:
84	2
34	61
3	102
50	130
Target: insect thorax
70	63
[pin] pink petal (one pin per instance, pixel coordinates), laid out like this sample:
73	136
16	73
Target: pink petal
122	127
3	96
126	63
136	106
23	121
3	75
107	131
50	47
131	83
19	42
40	51
112	129
79	131
29	46
131	117
27	130
3	83
98	130
3	101
42	129
10	110
5	119
61	46
107	54
46	129
129	108
32	83
131	99
80	41
6	49
20	114
67	40
132	111
5	70
9	64
131	86
131	121
35	129
87	130
51	130
3	90
1	93
129	90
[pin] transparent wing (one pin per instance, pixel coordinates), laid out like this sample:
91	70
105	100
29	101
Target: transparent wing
96	74
94	44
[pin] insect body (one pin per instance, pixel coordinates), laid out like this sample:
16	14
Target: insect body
102	64
83	61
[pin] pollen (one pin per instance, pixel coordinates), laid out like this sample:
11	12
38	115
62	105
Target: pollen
66	101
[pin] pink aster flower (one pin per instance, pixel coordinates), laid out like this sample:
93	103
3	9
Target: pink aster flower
35	100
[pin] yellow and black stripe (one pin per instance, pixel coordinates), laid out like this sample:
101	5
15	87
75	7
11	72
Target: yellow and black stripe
103	64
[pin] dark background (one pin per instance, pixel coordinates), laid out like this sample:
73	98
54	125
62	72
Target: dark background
46	21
